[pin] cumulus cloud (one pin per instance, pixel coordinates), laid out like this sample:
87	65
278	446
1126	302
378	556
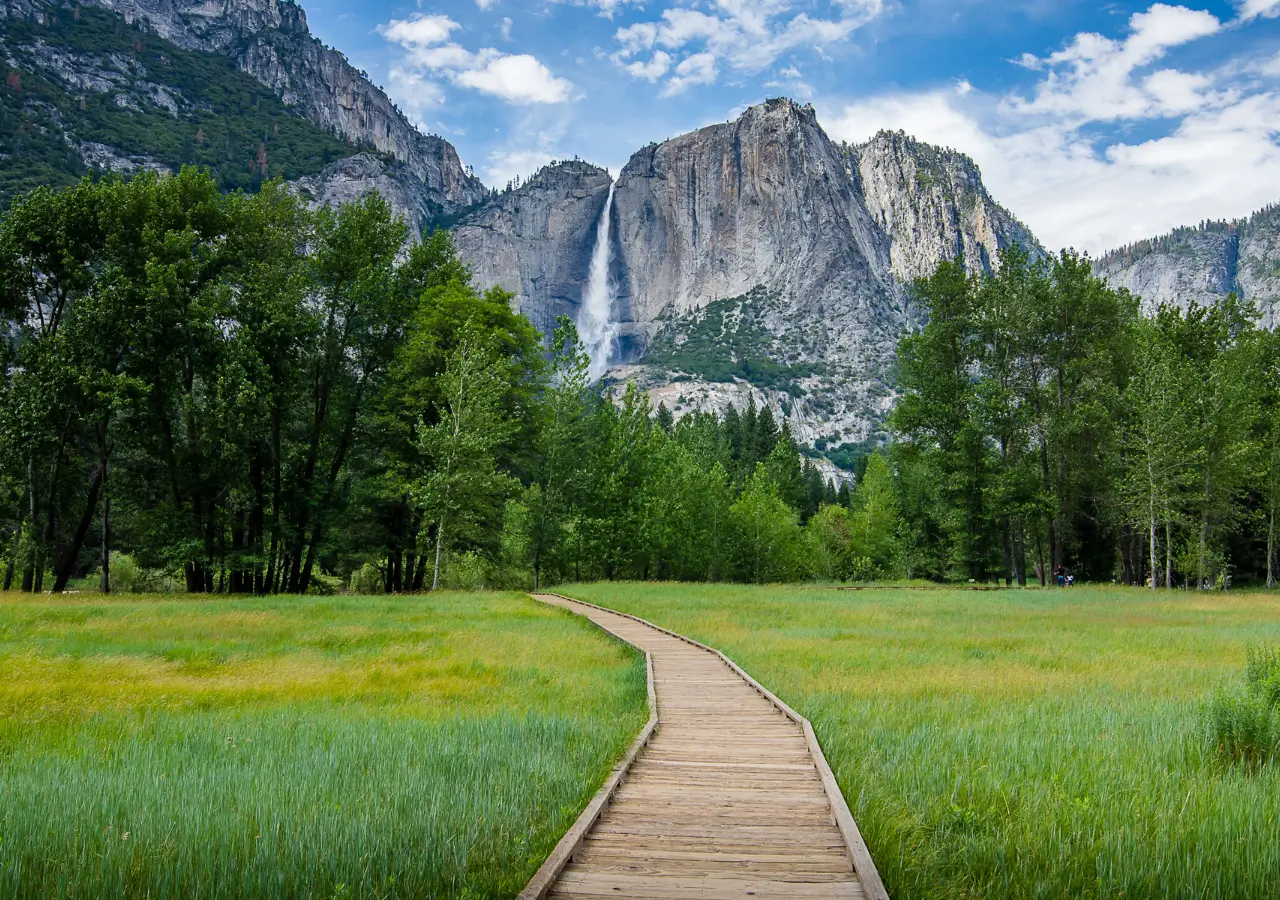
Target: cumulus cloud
657	66
1093	75
701	68
1214	153
744	35
1253	9
519	79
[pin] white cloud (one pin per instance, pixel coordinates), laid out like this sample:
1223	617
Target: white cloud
697	69
415	93
505	165
485	4
419	31
505	28
1092	76
517	78
1252	9
1216	154
657	66
745	35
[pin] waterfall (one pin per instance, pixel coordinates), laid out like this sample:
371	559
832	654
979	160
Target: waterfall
596	325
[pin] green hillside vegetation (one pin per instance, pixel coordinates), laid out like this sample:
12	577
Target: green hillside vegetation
1036	743
225	119
727	340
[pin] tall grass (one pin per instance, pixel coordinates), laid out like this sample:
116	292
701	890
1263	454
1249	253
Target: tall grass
1244	720
389	747
1022	744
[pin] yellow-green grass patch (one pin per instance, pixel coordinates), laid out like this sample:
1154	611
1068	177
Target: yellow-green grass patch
1023	744
312	747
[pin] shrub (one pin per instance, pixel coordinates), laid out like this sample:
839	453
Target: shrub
130	577
1243	722
366	580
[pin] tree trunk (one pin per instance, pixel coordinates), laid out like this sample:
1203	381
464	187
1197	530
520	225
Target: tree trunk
1204	529
1168	555
1019	557
104	584
257	519
33	524
12	563
435	577
1008	552
420	571
67	566
1271	549
1155	559
1040	572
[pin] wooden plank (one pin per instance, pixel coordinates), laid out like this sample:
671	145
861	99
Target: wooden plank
547	873
730	796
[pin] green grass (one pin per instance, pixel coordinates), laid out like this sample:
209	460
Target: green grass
299	747
1021	744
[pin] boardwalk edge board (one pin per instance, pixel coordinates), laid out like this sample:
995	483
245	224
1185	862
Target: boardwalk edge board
571	843
859	855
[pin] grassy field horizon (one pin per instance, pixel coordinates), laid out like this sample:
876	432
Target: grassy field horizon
1013	743
328	747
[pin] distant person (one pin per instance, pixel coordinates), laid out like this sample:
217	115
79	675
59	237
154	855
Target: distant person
1071	578
1060	575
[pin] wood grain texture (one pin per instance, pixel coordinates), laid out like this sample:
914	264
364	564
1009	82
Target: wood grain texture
730	796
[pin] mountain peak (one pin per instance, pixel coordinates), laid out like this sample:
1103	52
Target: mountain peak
270	40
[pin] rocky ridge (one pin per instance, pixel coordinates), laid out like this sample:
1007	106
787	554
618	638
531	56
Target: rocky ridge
1200	264
270	41
536	241
755	258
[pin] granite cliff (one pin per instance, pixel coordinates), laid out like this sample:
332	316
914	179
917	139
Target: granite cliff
536	241
157	72
1205	262
753	259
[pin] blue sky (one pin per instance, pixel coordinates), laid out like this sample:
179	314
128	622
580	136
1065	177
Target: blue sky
1097	124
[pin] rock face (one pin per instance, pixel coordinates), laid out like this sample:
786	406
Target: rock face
1204	263
933	206
270	40
536	241
754	258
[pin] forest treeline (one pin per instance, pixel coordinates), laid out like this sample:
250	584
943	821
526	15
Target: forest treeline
1046	424
229	392
232	392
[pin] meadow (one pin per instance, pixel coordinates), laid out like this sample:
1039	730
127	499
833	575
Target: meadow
1014	744
332	747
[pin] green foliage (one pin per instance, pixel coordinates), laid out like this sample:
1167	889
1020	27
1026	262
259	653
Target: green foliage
727	340
366	580
1243	724
767	531
153	99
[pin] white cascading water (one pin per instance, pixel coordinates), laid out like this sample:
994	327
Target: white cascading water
596	325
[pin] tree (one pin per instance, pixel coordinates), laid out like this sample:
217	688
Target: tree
1268	353
767	531
828	543
874	525
564	415
464	487
1159	450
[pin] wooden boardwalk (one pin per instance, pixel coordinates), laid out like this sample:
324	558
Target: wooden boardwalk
728	798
